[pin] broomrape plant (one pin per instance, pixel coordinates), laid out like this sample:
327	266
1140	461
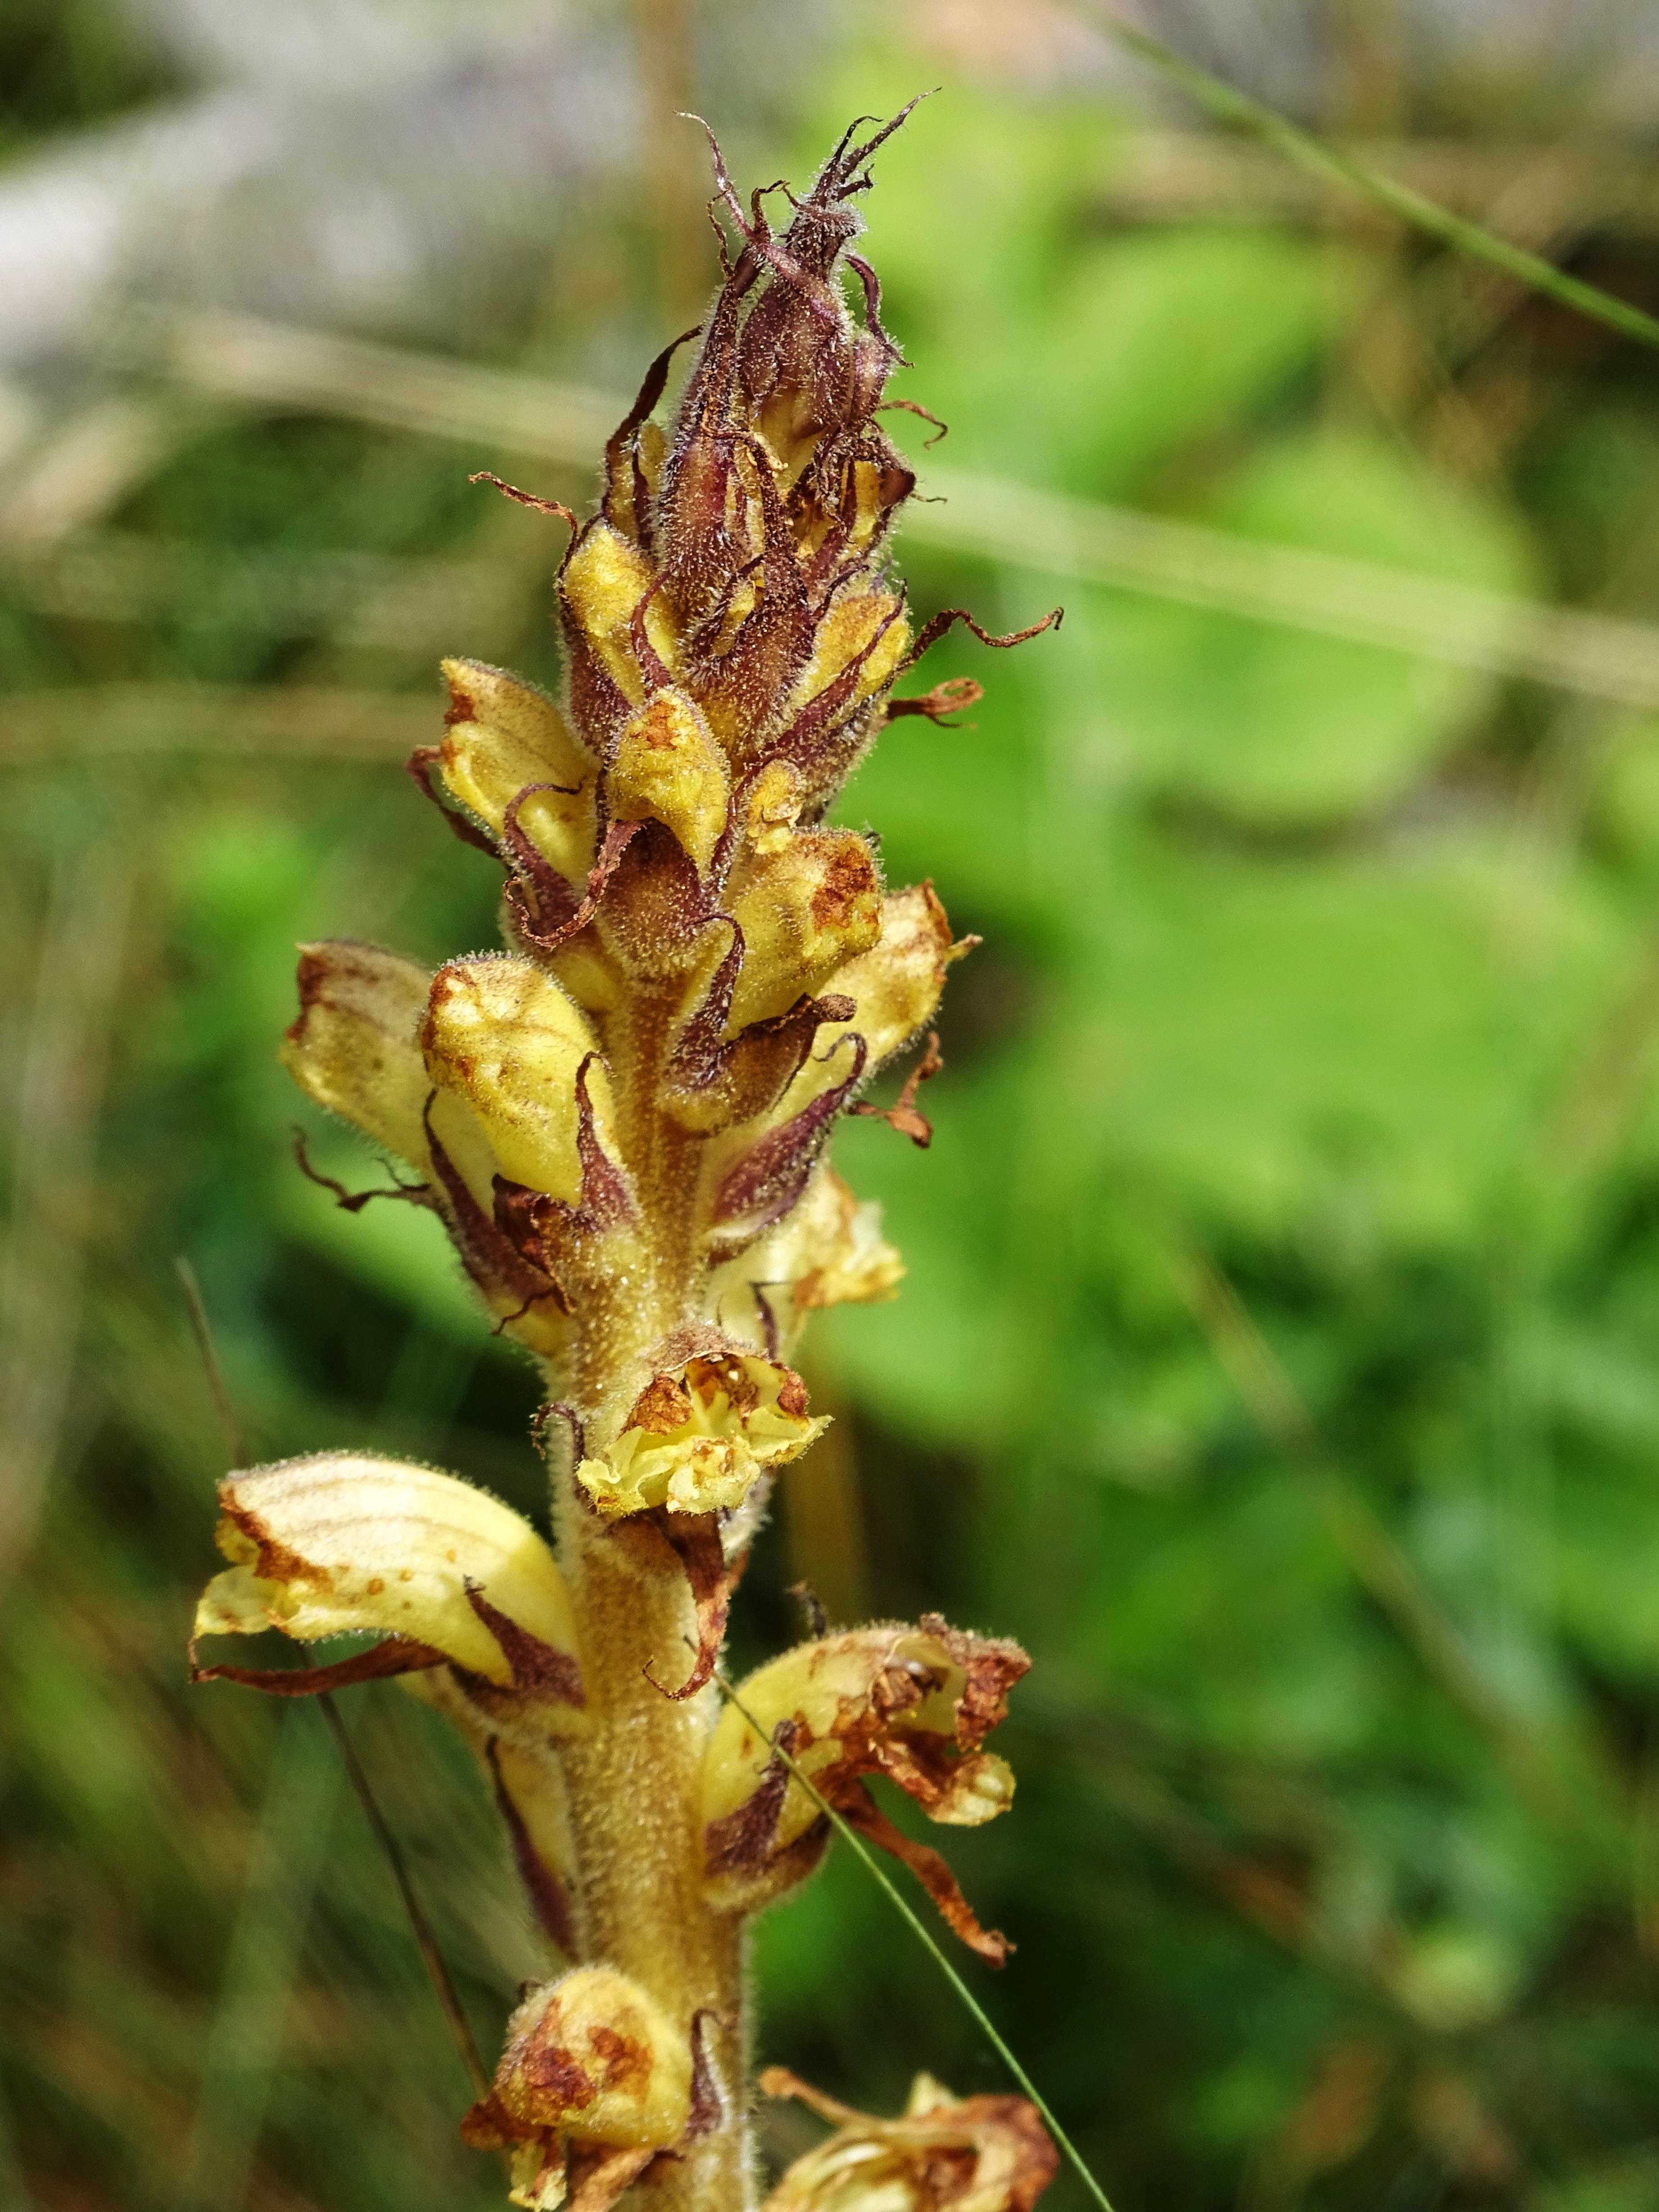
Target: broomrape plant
623	1122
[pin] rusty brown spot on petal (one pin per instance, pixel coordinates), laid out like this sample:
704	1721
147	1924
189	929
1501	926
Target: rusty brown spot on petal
661	1407
278	1562
555	2074
742	1840
627	2061
849	882
488	2126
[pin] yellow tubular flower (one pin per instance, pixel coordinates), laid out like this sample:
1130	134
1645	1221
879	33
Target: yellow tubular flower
502	1038
340	1542
697	1440
507	741
669	769
352	1047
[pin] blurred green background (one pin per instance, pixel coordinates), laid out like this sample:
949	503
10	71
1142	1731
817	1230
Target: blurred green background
1279	1357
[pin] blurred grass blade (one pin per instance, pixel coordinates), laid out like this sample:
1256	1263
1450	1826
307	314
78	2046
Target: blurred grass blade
235	1442
971	2004
1296	587
245	2038
252	721
1239	111
66	1049
264	364
1293	585
443	1983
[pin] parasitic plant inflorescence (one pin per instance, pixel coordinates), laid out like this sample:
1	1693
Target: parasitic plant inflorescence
623	1121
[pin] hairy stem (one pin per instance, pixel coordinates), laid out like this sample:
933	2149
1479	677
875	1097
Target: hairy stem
633	1808
633	1778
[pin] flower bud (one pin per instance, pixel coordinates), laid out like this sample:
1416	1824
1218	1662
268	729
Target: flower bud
946	2154
343	1541
699	1438
913	1704
803	910
862	637
603	588
353	1046
668	769
507	738
596	2057
505	1046
594	2082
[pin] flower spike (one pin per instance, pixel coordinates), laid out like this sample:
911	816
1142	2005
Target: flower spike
623	1123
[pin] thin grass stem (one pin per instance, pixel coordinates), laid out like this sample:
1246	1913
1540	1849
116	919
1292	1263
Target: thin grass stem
235	1442
918	1928
443	1986
1308	151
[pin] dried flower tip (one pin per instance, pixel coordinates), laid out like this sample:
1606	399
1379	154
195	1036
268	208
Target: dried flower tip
699	1438
345	1541
946	2154
913	1704
829	1251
